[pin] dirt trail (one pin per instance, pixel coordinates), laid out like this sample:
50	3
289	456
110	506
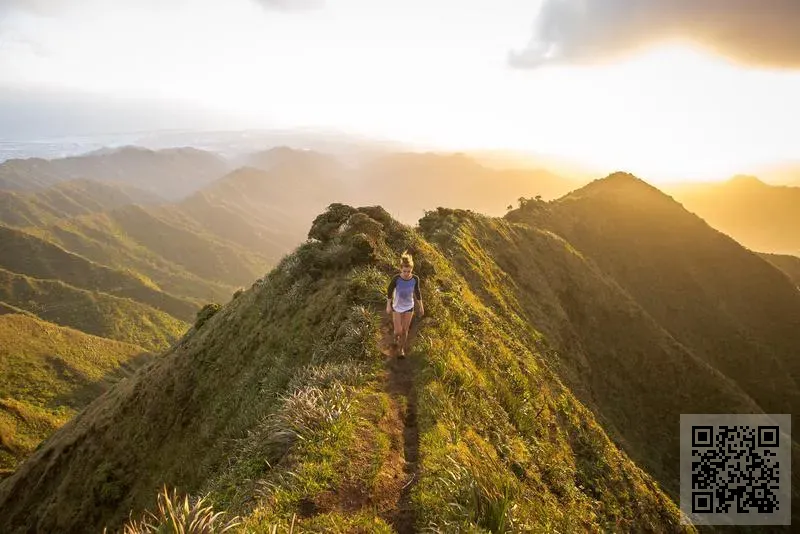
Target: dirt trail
400	386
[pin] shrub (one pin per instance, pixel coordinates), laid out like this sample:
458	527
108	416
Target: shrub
326	225
206	313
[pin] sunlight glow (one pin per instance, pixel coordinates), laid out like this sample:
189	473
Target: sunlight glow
440	80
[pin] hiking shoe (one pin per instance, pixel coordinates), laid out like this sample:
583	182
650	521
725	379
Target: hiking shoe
402	353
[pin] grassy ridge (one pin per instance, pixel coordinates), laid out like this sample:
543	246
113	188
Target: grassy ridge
47	373
32	256
92	312
66	199
284	411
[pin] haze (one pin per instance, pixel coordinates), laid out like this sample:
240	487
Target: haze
658	88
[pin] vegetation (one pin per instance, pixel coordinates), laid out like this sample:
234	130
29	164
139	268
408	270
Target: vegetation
47	374
289	412
560	345
31	256
92	312
176	517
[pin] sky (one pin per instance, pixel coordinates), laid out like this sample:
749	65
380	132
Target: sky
669	89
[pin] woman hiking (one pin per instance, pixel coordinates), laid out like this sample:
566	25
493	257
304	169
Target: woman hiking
401	295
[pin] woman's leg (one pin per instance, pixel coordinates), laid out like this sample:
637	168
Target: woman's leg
398	326
406	324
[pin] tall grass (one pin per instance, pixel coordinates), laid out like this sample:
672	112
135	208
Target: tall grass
174	516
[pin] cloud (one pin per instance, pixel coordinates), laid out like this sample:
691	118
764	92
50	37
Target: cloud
291	5
764	33
33	6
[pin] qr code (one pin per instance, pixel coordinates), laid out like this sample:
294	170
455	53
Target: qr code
736	469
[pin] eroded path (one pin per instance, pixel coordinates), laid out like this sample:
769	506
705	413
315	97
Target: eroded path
399	385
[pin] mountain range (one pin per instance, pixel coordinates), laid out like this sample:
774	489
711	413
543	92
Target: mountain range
562	340
763	217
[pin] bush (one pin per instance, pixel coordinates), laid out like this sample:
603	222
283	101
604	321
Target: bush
206	313
326	225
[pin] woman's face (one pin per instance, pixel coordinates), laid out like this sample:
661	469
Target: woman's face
405	271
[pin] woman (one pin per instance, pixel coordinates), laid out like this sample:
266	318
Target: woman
403	292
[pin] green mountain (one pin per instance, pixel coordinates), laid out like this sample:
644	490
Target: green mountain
543	391
171	173
92	312
47	374
716	298
33	256
67	199
762	217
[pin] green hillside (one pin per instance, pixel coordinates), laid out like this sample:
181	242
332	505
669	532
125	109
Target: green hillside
66	199
91	312
543	391
47	374
33	256
716	298
288	407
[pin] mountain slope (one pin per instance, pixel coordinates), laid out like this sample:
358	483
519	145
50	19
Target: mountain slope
790	265
67	199
166	245
762	217
281	403
720	300
612	354
267	210
91	312
170	173
27	254
47	374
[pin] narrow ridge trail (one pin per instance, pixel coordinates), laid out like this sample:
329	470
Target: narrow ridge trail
400	386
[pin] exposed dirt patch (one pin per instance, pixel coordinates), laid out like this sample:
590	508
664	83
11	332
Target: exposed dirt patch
400	386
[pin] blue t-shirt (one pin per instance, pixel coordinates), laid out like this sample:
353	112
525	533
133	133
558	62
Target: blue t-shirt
402	292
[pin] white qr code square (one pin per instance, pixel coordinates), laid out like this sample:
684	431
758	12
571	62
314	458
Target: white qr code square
736	469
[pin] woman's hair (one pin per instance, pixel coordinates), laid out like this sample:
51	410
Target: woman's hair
406	260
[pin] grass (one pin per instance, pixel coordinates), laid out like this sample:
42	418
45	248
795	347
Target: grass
47	374
92	312
174	516
277	409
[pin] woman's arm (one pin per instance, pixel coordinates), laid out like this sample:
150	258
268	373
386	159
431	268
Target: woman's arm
390	294
418	296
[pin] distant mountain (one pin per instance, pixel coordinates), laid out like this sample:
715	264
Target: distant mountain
47	374
265	211
170	173
788	264
407	184
762	217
